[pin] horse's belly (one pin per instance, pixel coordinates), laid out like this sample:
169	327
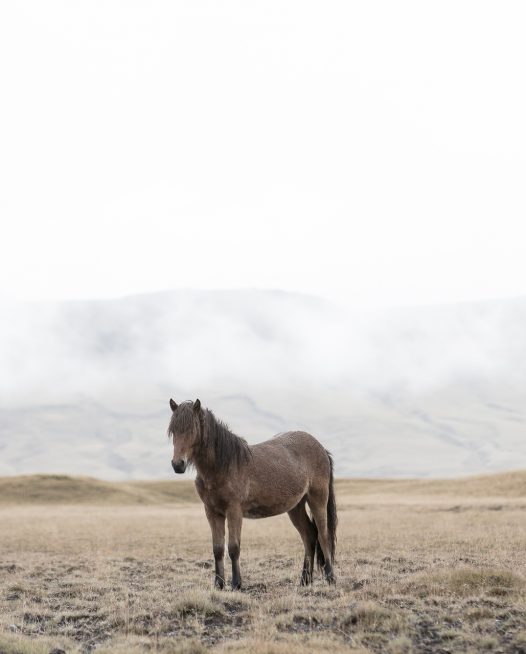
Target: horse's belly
257	511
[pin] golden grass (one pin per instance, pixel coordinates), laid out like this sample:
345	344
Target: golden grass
418	571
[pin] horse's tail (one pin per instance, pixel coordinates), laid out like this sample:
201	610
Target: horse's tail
332	520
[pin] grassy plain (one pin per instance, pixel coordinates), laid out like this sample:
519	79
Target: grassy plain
423	566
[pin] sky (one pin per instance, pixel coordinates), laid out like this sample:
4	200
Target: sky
370	151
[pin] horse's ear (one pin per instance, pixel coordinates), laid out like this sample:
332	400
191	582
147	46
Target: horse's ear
173	405
197	406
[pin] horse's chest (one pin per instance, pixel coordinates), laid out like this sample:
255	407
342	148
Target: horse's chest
213	497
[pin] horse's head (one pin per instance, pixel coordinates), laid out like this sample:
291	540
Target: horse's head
185	431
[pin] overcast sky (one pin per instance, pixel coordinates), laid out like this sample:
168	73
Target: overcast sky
367	151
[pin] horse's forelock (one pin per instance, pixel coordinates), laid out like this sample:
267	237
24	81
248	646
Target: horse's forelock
182	419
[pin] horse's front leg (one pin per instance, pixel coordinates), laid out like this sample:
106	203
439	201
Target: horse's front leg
217	525
235	518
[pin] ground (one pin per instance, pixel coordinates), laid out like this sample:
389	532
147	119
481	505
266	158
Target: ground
421	567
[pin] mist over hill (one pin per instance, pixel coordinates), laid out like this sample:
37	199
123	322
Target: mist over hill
84	386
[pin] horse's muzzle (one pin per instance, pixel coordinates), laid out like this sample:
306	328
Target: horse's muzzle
179	467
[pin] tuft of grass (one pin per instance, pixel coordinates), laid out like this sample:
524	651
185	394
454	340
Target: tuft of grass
519	642
139	645
198	602
323	644
480	613
466	581
371	616
471	580
400	645
487	643
21	644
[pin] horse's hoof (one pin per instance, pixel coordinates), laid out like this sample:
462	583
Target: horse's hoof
219	583
331	579
305	580
236	585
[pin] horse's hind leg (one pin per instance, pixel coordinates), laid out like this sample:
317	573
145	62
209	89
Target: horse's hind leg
307	531
317	500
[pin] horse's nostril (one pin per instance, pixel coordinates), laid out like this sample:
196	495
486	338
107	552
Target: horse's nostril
179	467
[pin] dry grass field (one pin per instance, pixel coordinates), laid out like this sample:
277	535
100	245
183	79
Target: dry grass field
423	566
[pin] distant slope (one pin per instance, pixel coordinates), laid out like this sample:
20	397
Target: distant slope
414	392
62	489
501	485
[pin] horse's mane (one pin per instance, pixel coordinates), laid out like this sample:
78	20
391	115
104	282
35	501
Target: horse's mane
229	450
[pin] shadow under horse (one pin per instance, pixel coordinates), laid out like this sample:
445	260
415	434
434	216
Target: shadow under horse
236	481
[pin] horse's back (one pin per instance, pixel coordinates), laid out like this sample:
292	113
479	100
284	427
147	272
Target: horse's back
296	447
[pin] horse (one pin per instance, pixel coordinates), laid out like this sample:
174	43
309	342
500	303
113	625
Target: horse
236	481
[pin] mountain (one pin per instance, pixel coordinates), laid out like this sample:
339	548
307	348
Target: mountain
425	391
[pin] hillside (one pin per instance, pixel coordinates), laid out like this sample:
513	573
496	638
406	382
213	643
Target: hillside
63	489
413	392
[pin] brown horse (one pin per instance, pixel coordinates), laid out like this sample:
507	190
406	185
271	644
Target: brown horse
236	481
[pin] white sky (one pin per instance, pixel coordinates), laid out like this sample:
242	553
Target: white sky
369	150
